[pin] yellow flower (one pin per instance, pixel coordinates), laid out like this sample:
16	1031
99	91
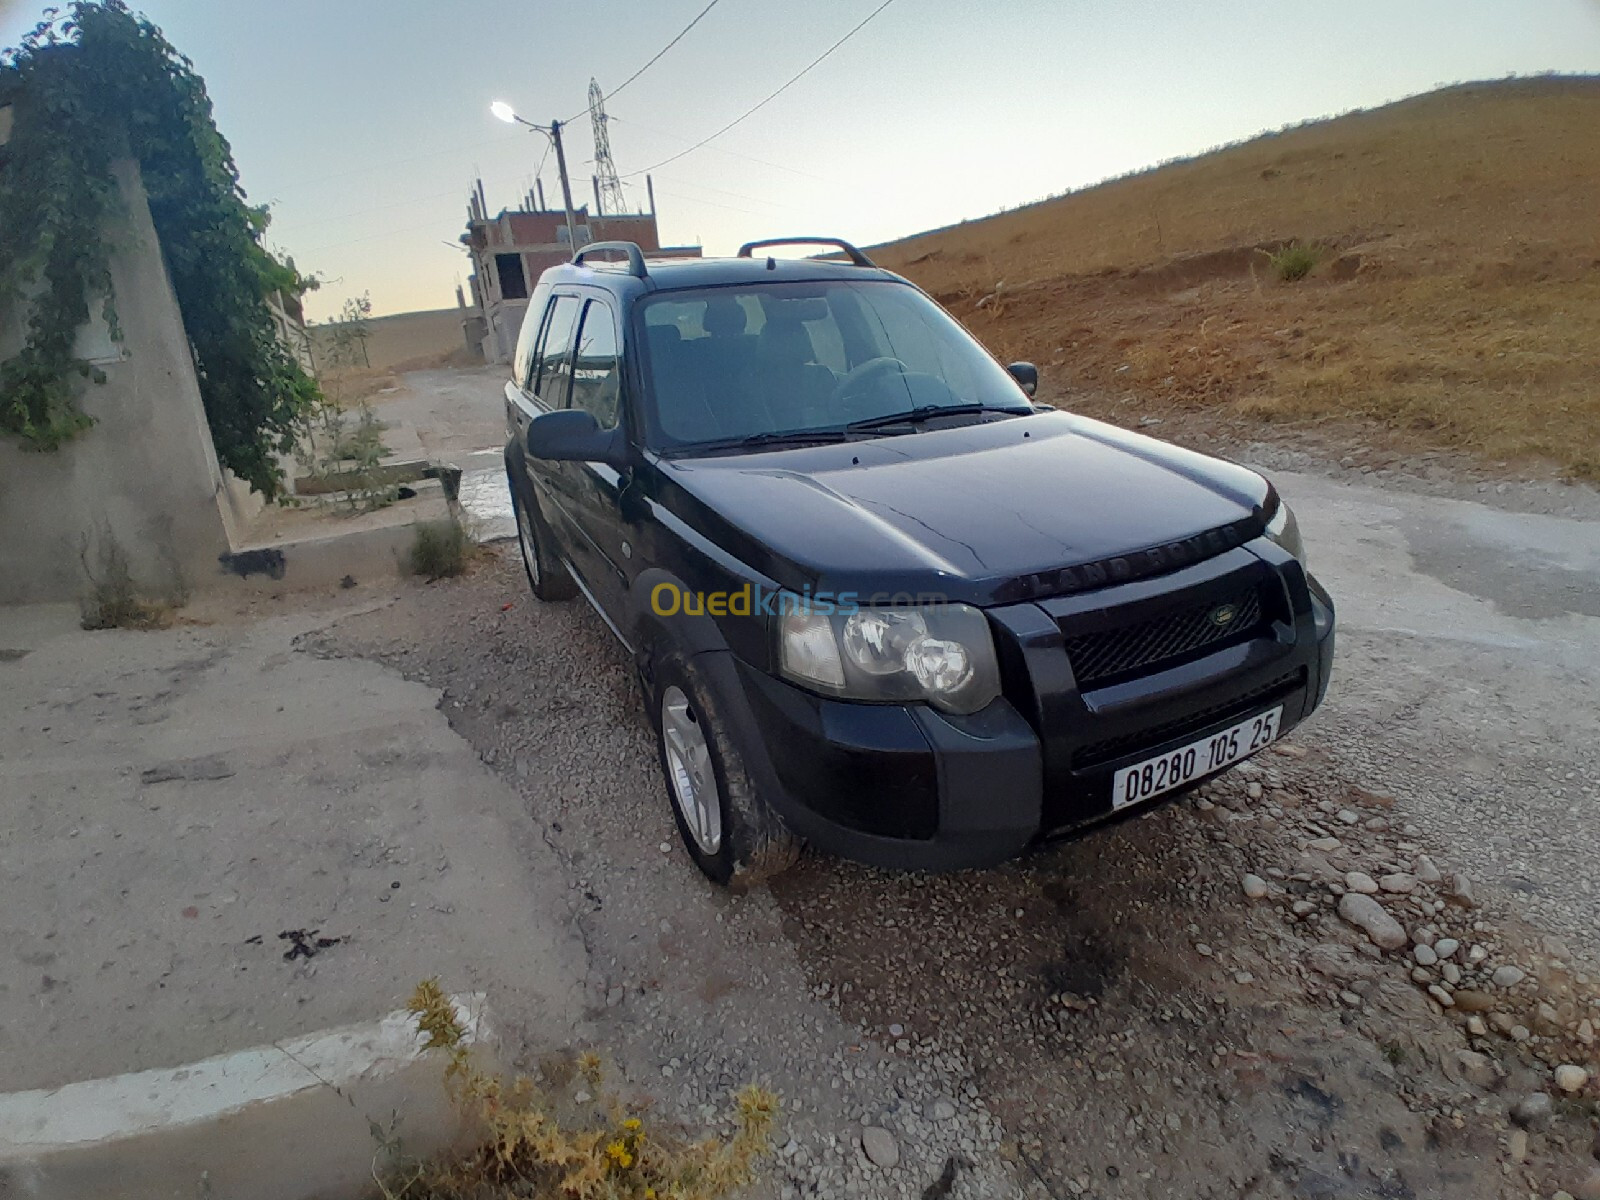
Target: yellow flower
619	1155
632	1123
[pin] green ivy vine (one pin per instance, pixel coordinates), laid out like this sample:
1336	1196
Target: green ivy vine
87	88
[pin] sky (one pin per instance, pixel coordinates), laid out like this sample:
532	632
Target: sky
363	122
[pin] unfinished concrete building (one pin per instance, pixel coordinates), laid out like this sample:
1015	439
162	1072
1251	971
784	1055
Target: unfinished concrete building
509	252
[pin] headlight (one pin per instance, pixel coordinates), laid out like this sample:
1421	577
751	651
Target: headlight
1285	530
941	654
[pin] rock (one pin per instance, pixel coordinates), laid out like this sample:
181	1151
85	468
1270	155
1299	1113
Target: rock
1424	955
1451	973
1360	881
1586	1031
1570	1078
1254	886
1458	891
1475	1024
1373	919
1203	950
1349	816
1327	845
1376	824
1368	799
1477	1069
1426	870
1518	1145
1476	954
942	1109
1507	976
200	770
1589	1189
1502	1022
1445	999
1303	908
1399	883
1473	1001
1446	947
881	1148
1336	962
1253	789
1520	1033
897	1030
1533	1112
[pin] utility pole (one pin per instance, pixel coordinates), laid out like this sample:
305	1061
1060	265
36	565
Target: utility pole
566	185
506	113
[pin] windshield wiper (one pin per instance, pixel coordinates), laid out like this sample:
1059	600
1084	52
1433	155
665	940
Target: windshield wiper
924	411
771	437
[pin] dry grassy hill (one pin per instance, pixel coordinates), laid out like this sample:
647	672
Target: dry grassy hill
1455	304
405	338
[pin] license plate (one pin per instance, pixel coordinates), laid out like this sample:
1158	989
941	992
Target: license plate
1178	767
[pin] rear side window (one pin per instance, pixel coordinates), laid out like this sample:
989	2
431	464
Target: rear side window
528	339
596	374
554	361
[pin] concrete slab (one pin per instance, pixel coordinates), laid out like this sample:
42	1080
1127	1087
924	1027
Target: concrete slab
487	503
223	1126
303	548
186	809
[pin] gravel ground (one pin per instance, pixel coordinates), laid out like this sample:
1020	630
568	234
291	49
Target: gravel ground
1179	1006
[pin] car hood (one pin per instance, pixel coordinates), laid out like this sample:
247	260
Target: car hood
982	513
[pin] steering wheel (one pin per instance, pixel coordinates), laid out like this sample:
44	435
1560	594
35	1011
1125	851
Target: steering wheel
853	383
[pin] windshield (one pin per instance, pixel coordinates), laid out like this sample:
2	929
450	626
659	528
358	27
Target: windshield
725	364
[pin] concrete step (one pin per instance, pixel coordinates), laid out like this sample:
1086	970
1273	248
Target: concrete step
288	1121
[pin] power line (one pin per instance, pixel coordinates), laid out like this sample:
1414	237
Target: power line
750	112
649	64
724	150
539	170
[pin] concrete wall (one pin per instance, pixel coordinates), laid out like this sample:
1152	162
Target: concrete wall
145	475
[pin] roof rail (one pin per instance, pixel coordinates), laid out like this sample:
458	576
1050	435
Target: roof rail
634	255
860	259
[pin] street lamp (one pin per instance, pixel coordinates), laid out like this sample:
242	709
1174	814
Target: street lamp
508	114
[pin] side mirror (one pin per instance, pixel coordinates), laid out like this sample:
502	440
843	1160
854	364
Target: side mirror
1026	375
573	435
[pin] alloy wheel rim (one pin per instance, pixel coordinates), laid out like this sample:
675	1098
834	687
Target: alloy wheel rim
530	549
689	771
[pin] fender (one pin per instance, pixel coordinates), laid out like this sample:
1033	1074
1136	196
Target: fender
690	634
516	476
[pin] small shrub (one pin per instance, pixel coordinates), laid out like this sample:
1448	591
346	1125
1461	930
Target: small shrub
528	1151
113	600
441	549
1295	261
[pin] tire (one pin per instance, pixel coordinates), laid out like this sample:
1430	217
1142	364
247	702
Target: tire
735	838
547	575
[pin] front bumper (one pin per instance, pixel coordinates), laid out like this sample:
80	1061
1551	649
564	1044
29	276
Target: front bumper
908	787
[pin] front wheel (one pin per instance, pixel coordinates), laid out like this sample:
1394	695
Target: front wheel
730	832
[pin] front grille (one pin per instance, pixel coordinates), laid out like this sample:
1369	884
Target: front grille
1107	654
1096	753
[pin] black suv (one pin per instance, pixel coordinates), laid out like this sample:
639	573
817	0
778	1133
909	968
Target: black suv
879	601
